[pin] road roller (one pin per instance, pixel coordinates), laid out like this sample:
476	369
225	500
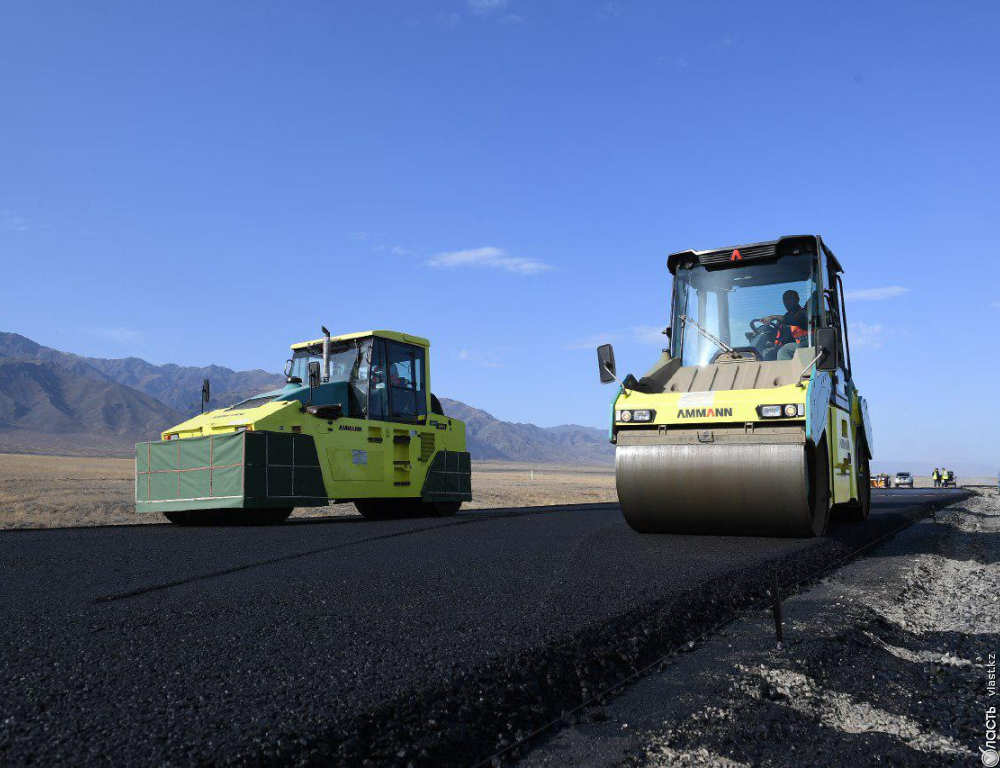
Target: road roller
750	422
354	422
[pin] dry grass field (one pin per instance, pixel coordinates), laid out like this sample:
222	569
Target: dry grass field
41	492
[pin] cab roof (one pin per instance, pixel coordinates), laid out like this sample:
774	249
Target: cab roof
783	246
392	335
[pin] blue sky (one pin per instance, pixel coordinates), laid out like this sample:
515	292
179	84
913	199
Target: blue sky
208	182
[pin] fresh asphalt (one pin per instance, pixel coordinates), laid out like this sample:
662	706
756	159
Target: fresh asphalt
328	641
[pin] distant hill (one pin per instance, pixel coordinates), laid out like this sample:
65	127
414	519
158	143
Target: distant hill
58	402
63	407
489	438
174	385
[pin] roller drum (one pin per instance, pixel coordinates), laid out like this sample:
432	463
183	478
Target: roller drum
735	488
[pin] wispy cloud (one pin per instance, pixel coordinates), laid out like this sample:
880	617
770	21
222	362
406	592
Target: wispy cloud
995	305
488	258
484	7
876	294
485	358
125	336
364	237
645	335
11	222
447	19
874	336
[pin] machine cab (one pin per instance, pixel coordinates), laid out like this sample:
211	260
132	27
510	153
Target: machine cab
380	376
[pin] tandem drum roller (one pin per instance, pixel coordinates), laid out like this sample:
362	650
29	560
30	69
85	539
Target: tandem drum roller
750	422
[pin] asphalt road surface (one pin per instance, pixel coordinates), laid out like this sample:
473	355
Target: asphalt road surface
318	642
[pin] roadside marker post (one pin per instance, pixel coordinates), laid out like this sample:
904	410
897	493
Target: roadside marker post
776	607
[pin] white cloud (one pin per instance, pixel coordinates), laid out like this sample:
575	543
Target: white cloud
366	236
593	342
117	335
870	336
875	294
645	335
447	19
488	258
648	334
12	222
398	250
484	7
483	358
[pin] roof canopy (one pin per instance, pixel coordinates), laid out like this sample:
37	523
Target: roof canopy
392	335
784	246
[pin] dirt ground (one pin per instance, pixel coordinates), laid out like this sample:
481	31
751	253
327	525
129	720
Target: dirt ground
40	492
890	660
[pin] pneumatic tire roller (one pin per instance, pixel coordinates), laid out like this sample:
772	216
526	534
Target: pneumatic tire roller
355	422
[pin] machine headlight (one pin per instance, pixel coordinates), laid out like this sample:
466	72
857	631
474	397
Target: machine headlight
625	416
643	415
787	411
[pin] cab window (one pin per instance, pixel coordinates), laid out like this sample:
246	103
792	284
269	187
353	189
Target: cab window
407	383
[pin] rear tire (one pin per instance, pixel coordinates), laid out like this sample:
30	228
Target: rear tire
857	511
819	488
442	508
402	509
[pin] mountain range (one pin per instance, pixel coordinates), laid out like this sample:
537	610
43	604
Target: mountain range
55	402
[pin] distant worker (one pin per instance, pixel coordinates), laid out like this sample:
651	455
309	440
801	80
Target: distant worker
936	477
794	330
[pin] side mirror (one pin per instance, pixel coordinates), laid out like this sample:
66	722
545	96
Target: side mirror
667	332
205	394
827	343
288	371
314	374
606	363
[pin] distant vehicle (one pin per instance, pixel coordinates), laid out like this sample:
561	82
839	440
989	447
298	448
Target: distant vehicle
902	480
949	480
880	480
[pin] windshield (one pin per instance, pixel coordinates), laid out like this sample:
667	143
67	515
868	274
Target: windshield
765	310
346	365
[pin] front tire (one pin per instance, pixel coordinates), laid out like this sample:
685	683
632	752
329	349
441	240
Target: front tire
222	517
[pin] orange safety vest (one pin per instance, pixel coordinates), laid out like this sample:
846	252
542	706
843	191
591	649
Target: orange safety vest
797	333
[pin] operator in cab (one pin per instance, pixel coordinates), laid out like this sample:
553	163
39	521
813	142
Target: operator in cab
794	330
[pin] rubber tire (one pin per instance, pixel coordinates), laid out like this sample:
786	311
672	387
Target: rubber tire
404	509
859	511
819	488
442	508
229	517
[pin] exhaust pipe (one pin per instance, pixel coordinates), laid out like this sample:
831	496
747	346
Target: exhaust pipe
326	354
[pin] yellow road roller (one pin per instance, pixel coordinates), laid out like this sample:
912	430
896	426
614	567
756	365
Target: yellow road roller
750	422
354	422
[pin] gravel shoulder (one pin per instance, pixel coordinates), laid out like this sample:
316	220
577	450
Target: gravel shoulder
885	661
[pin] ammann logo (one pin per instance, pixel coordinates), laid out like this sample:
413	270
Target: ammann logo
704	413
